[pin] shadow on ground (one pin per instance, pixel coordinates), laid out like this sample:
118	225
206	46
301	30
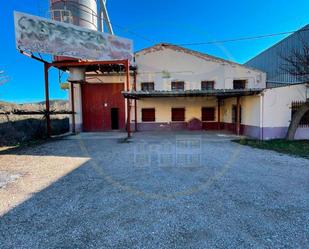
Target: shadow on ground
127	195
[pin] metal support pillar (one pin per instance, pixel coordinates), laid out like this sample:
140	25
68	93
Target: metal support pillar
135	103
48	122
238	116
73	108
127	65
219	113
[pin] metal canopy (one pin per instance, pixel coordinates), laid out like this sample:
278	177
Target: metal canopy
192	93
94	66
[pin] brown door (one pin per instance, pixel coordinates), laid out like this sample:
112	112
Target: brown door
114	118
98	101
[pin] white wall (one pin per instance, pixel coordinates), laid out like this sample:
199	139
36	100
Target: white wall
77	106
277	104
191	69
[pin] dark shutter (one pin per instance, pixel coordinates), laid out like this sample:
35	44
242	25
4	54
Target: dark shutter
147	86
148	115
178	86
208	114
207	85
234	114
239	84
178	114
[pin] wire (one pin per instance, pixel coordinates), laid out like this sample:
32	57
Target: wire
242	38
196	43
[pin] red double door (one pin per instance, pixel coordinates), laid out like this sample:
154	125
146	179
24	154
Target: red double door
103	107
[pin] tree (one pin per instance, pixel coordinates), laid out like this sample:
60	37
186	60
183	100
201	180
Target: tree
297	64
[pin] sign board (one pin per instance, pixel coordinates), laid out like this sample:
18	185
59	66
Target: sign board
36	34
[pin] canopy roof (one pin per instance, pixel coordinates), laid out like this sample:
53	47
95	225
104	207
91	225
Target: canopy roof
192	93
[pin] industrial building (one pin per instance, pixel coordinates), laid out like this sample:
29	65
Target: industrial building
163	88
272	60
179	89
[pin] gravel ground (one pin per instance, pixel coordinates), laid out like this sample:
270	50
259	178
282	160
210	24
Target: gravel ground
160	190
7	177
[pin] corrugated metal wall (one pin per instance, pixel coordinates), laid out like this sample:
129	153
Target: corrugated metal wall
271	60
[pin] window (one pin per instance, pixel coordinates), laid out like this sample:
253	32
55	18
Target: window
178	85
208	114
239	84
234	114
148	115
178	114
304	122
208	85
147	86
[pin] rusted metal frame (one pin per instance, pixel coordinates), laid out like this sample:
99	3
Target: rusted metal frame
73	108
223	94
238	116
219	113
127	67
48	121
87	63
33	56
135	102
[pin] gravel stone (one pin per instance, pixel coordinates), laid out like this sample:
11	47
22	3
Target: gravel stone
158	190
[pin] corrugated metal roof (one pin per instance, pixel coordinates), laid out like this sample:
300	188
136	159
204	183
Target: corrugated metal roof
192	93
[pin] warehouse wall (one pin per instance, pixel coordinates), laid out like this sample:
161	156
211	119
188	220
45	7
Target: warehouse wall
277	110
162	65
271	60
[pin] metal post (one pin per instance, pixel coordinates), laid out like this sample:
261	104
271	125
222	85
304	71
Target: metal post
238	116
219	114
48	124
73	108
127	66
135	103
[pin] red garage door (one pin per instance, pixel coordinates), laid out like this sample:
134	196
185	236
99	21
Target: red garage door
103	107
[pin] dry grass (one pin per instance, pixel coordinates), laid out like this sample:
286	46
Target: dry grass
19	129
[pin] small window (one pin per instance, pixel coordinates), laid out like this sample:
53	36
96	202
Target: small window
178	86
178	114
148	115
147	86
239	84
208	85
208	114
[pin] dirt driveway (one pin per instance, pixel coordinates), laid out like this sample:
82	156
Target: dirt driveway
161	190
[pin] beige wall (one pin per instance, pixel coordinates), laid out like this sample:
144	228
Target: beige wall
163	107
250	108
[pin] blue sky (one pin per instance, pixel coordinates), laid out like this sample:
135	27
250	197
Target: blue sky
170	21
